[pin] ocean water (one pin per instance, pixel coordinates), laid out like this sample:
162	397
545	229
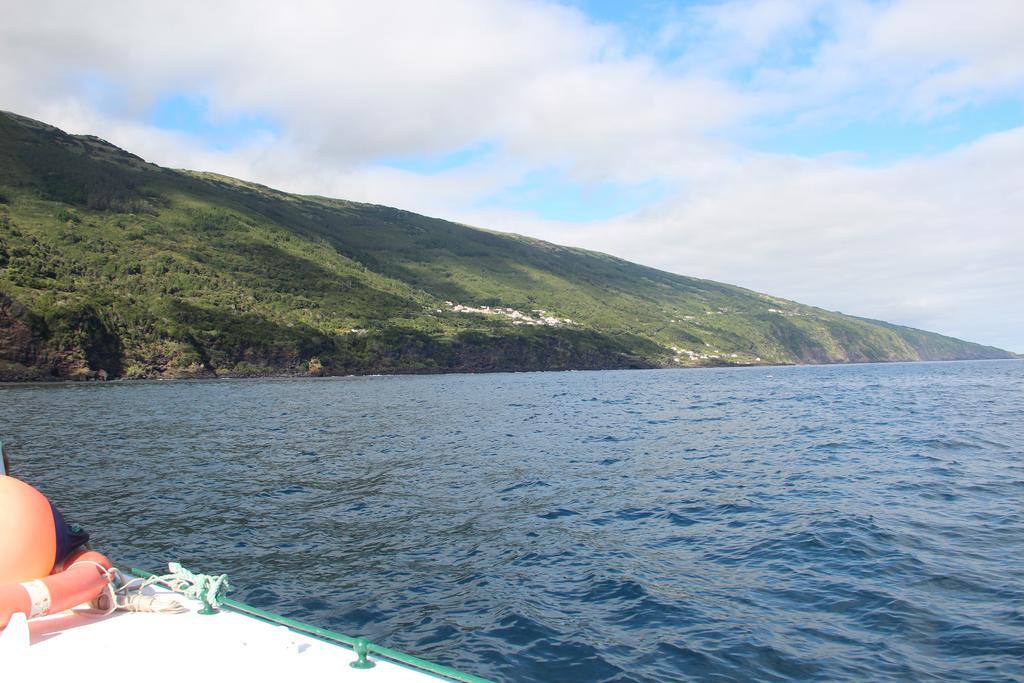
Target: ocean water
796	523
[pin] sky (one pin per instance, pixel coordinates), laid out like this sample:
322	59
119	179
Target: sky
861	156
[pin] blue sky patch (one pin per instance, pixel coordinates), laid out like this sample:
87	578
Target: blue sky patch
190	114
888	138
430	164
107	95
552	195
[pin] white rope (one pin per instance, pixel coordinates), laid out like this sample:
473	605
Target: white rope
127	596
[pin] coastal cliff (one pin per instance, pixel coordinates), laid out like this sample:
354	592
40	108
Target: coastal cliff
111	267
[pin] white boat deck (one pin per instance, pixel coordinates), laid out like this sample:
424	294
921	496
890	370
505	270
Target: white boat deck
182	647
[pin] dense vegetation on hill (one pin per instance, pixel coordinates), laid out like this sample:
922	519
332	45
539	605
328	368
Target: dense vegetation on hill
113	267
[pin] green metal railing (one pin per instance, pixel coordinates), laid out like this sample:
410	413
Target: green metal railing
360	646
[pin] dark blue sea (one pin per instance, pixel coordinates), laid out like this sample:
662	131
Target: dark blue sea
859	523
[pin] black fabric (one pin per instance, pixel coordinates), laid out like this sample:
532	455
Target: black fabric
70	537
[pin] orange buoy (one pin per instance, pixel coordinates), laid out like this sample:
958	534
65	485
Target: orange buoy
84	577
28	540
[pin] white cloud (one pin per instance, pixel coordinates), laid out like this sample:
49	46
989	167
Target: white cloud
925	241
929	242
920	57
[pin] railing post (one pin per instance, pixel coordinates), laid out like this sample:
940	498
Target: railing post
361	646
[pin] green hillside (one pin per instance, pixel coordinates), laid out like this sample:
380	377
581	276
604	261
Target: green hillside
113	267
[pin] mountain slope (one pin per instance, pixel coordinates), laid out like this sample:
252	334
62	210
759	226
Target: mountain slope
114	267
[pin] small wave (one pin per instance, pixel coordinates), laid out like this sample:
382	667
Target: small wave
535	483
560	512
633	514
